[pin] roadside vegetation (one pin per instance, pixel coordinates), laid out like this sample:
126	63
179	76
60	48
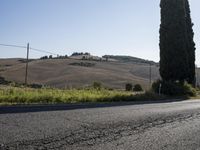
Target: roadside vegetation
14	93
174	88
20	95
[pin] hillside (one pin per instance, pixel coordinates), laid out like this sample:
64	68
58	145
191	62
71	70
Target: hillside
129	59
67	73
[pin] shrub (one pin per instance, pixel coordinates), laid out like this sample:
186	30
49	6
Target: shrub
198	86
137	88
149	95
129	87
97	85
83	64
4	81
155	86
189	90
173	88
36	86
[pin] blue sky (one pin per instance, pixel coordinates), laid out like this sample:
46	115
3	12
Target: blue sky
118	27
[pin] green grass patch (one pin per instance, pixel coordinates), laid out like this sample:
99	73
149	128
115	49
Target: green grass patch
197	96
15	95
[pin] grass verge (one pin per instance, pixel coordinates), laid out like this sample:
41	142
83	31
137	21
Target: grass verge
15	95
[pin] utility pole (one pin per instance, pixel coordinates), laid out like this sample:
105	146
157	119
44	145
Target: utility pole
196	76
27	59
149	75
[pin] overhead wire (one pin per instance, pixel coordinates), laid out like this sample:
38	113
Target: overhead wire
17	46
42	51
34	49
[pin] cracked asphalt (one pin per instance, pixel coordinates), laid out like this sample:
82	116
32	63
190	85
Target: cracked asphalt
120	126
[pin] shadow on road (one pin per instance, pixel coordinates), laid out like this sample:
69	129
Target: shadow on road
64	107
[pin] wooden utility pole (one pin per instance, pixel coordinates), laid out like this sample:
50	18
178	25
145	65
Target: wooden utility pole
27	59
150	75
196	76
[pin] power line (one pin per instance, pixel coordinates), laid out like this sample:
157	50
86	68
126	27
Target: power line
34	49
42	51
17	46
27	58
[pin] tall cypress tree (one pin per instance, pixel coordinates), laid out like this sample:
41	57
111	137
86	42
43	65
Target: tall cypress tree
173	41
190	45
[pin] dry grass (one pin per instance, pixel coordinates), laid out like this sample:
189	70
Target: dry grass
59	73
14	95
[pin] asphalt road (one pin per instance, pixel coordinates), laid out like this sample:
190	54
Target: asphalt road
121	126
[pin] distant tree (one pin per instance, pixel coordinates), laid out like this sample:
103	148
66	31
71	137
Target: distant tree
97	85
77	54
86	53
137	88
44	57
83	58
176	40
50	56
129	87
74	54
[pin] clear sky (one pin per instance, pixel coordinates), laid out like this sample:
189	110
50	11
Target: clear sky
117	27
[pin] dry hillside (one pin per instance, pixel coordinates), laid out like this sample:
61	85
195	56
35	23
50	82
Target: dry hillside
65	73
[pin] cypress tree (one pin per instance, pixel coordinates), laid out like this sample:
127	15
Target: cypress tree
190	45
174	63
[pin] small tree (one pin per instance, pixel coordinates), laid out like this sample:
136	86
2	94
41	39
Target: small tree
50	56
137	88
44	57
97	85
129	87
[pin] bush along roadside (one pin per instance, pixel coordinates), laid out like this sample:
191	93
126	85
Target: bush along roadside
173	88
137	88
3	81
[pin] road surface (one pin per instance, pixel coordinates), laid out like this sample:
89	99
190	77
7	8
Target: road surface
120	126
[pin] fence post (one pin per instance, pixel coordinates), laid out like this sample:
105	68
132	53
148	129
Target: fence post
160	86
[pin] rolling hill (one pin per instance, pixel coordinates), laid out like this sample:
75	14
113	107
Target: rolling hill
75	72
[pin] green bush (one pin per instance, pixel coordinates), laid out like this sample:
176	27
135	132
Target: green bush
97	85
137	88
189	90
4	81
198	86
149	95
174	88
129	87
